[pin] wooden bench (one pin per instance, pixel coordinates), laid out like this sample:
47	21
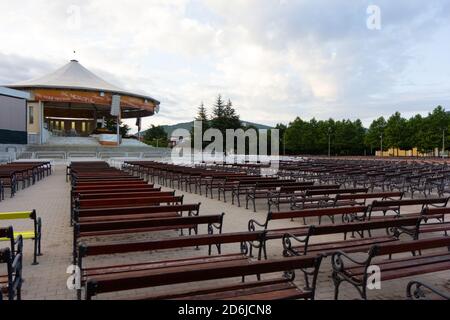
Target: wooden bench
112	187
437	223
102	214
361	198
394	227
80	196
11	282
77	192
35	234
229	184
211	180
129	226
347	269
9	181
417	290
107	182
127	202
244	239
242	187
289	194
272	234
396	205
278	288
321	197
263	190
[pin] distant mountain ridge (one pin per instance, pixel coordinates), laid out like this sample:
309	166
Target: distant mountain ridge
188	126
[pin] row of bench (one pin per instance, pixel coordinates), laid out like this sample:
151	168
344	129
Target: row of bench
107	202
11	266
98	280
26	173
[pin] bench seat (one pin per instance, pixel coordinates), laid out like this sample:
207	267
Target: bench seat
162	265
277	289
127	217
137	230
434	227
400	268
279	233
349	246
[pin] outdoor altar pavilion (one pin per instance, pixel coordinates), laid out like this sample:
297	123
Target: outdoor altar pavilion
73	101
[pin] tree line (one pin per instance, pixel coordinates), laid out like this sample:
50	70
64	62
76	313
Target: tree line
334	137
348	137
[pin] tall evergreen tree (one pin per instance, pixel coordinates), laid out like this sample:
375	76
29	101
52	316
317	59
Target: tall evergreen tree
202	115
219	107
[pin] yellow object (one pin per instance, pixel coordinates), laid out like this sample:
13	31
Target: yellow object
396	152
15	215
24	234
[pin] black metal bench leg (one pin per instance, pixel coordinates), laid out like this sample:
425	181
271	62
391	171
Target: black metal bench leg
35	252
337	284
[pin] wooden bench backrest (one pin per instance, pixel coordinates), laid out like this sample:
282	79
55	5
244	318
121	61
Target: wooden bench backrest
408	202
126	195
334	191
110	191
137	210
281	183
364	225
435	211
172	243
111	203
18	215
375	195
147	223
409	246
111	187
289	189
110	182
315	212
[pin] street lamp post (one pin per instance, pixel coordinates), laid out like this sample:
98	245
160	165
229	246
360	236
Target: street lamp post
443	142
329	142
381	137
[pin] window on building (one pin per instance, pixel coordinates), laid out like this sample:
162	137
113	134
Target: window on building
83	126
73	125
30	115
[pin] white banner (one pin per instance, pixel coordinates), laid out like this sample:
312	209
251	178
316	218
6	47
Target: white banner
115	106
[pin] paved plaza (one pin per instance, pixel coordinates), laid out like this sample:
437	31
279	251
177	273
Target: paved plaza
50	197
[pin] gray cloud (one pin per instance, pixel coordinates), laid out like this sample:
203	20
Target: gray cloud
297	57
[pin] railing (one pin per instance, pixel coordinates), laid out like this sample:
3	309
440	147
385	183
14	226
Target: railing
70	155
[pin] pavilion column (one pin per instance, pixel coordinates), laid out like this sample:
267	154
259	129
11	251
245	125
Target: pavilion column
95	118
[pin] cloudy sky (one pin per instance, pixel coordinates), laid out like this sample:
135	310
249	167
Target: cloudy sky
276	59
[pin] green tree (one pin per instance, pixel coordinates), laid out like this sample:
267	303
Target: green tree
111	125
202	115
281	134
436	124
372	138
225	116
219	108
156	136
395	132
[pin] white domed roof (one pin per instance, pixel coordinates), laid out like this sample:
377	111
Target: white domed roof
74	76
